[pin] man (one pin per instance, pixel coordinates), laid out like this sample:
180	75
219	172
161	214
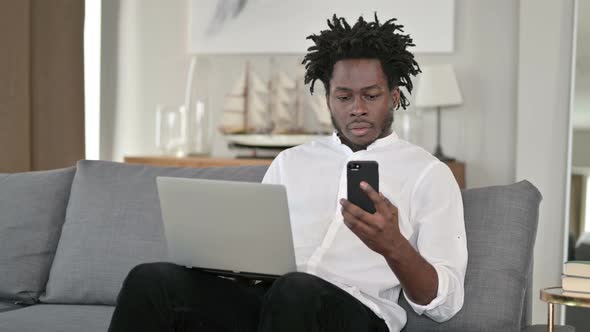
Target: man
352	265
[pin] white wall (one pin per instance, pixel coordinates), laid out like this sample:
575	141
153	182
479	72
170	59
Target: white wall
144	64
544	74
482	131
582	99
581	119
149	60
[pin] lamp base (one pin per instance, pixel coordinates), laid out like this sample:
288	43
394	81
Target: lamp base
441	156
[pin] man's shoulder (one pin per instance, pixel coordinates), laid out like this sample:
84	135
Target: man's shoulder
419	157
416	165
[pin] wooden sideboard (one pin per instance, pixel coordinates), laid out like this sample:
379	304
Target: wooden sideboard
196	162
457	167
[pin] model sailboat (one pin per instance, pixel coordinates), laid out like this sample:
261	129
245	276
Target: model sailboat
280	113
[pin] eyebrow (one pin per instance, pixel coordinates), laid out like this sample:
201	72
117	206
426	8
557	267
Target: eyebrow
374	86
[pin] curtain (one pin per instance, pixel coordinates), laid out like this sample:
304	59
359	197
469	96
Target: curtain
41	84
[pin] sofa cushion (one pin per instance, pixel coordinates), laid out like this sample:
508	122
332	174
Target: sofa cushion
501	225
113	223
32	212
57	318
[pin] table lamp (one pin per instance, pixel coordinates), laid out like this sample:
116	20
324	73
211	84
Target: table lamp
438	88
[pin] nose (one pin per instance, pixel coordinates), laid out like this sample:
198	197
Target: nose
359	108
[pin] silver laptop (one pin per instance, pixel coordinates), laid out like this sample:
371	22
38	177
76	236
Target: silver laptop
227	228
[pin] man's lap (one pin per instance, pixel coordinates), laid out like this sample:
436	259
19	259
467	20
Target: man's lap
198	296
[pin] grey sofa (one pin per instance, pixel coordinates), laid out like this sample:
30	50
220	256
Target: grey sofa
68	237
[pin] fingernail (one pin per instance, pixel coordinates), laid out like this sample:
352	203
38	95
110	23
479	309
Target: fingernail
341	201
363	185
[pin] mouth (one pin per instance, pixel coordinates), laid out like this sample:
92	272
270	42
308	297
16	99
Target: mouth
359	128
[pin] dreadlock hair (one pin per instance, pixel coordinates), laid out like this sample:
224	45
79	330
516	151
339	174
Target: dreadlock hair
363	40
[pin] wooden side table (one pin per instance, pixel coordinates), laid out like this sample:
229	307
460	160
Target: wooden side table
556	295
457	167
458	170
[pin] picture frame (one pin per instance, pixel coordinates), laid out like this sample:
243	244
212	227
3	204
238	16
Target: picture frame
281	26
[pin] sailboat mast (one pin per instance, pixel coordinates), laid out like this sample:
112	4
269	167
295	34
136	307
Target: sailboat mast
272	95
246	96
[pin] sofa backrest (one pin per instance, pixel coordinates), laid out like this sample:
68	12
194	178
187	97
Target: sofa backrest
501	226
113	222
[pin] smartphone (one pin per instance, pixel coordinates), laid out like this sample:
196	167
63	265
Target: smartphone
357	171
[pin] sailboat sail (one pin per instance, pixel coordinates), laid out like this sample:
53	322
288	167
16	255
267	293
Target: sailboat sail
257	85
258	117
239	86
301	112
282	103
232	119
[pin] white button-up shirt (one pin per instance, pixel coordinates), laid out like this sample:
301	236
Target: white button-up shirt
430	213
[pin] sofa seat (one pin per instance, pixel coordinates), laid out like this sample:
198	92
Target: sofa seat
57	318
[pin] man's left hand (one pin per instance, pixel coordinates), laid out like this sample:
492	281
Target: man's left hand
380	230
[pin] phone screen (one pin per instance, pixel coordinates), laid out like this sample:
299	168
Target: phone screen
357	171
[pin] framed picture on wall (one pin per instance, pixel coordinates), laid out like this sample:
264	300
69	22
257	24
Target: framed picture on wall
280	26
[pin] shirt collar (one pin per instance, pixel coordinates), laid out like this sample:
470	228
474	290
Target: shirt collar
380	142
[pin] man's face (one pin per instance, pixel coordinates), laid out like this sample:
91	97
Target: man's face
360	102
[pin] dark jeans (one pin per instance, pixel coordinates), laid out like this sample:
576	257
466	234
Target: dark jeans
167	297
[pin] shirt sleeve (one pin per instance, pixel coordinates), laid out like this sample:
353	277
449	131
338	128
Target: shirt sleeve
437	210
273	173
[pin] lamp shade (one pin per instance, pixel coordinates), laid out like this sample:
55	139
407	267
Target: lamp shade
438	87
